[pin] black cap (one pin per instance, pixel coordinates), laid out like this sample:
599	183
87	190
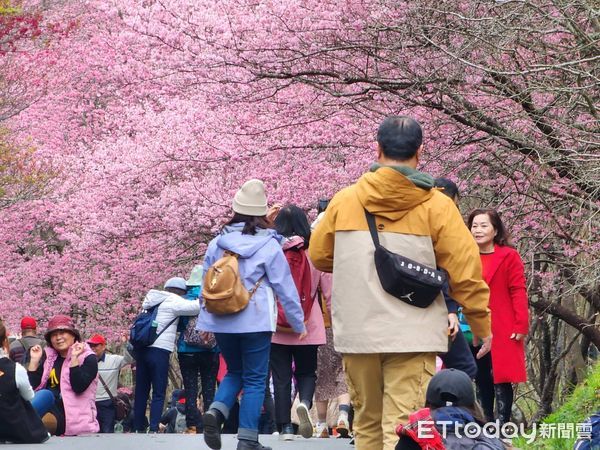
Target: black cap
450	387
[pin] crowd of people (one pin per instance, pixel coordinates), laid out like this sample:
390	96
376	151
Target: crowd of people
321	321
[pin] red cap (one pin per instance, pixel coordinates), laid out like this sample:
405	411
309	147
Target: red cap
97	339
28	323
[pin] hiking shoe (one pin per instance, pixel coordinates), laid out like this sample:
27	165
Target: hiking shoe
287	432
342	425
243	444
213	420
322	430
305	428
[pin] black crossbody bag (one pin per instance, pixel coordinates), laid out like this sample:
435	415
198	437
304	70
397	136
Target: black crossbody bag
407	280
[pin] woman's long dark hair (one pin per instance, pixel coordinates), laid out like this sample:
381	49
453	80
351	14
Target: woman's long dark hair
292	221
251	223
502	236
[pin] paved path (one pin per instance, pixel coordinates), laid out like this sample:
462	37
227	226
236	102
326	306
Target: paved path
173	442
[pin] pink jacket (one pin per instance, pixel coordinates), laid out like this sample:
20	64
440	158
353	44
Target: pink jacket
315	327
80	409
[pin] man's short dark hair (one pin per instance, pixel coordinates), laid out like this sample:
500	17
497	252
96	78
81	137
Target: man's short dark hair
449	187
399	137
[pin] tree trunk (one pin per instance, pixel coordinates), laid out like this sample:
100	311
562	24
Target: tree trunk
582	324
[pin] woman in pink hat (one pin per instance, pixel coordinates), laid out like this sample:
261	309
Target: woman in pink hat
67	369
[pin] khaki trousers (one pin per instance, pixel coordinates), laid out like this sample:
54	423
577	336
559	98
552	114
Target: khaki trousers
385	388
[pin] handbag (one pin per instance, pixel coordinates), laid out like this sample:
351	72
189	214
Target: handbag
410	281
198	338
122	407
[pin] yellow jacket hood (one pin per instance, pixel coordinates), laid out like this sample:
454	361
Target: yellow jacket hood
388	193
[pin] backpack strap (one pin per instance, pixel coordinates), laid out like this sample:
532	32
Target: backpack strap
256	285
320	297
372	227
168	325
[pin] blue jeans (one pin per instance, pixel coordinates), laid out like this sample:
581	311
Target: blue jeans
247	358
152	370
42	401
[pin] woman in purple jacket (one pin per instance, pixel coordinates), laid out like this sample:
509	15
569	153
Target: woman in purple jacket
245	337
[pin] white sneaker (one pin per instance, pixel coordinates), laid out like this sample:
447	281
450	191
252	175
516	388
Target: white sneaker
305	428
343	425
322	430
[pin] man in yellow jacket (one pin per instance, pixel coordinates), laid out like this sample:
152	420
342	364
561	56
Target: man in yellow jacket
389	347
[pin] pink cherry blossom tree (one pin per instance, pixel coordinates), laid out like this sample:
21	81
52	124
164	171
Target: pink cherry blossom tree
151	114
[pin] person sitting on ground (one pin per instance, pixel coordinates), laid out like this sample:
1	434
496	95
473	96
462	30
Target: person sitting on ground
66	371
126	394
450	404
19	423
589	435
174	419
19	348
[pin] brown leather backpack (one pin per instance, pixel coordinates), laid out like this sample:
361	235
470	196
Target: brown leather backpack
223	291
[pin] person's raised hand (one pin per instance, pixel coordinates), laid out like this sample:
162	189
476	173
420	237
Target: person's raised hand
36	353
273	212
77	349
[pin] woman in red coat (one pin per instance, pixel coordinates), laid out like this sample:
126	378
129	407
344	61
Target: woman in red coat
504	273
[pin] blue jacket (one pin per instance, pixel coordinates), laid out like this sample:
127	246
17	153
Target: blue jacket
260	255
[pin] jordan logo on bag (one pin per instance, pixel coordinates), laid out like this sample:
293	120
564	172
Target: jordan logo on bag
408	296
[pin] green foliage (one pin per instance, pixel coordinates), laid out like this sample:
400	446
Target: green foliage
21	175
7	9
584	401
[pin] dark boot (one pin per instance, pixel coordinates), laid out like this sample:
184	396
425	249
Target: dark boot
243	444
213	421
